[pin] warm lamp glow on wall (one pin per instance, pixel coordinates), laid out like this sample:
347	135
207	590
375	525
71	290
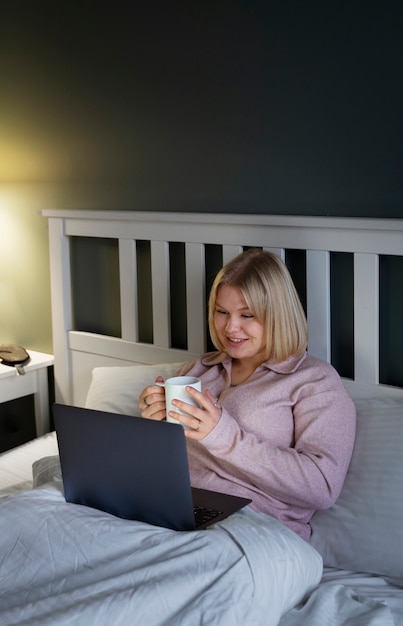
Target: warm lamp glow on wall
15	233
8	233
31	160
25	316
8	241
33	165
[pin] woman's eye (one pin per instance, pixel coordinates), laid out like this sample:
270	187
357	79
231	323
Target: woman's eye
221	312
247	315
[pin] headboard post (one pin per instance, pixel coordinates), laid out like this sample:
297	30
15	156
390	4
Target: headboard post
60	281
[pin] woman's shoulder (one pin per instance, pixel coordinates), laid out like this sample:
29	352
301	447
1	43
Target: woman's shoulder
317	375
313	363
309	369
301	362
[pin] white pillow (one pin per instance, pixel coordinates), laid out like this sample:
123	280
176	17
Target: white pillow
363	530
117	389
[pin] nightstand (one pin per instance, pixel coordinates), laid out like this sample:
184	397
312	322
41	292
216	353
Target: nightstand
33	381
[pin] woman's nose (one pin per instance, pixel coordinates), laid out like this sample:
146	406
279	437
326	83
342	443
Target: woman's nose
232	323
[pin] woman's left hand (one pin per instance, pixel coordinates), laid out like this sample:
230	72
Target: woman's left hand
200	419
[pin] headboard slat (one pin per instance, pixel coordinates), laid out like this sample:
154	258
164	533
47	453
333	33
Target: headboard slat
280	252
366	318
195	297
318	302
128	289
230	252
160	282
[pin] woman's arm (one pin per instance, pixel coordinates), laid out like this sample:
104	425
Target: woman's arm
309	473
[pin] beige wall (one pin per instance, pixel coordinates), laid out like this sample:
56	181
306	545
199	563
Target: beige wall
25	309
25	315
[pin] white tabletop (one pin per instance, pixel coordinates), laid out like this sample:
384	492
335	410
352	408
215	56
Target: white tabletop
38	360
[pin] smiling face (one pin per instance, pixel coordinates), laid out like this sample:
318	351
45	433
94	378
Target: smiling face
278	328
241	334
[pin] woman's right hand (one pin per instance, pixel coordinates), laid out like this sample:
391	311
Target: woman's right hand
152	401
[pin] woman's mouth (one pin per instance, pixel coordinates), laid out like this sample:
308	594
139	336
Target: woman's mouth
235	341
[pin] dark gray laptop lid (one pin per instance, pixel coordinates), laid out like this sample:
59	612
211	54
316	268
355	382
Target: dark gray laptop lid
125	465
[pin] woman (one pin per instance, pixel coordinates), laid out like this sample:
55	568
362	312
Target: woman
273	424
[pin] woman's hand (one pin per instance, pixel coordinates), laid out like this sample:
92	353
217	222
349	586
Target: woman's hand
200	419
152	401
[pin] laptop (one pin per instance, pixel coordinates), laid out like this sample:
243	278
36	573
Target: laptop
134	468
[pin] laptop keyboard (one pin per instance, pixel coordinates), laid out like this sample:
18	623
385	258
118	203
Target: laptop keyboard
203	514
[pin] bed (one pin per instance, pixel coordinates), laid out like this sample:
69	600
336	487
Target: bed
142	280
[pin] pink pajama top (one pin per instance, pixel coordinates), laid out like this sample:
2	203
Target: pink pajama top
285	436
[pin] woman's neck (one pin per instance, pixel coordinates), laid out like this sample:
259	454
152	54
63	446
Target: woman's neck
241	371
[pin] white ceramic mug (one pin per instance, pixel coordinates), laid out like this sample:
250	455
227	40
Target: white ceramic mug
175	389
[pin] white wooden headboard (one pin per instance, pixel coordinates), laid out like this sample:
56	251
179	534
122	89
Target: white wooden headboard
77	352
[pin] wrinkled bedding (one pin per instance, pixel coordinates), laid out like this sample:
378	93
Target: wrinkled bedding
68	564
339	605
62	564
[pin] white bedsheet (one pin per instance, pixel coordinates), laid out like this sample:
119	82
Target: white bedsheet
67	564
349	598
16	464
342	597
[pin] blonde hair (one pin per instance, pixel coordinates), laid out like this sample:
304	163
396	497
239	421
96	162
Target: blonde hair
268	289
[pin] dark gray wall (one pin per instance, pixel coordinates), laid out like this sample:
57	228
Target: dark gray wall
238	106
